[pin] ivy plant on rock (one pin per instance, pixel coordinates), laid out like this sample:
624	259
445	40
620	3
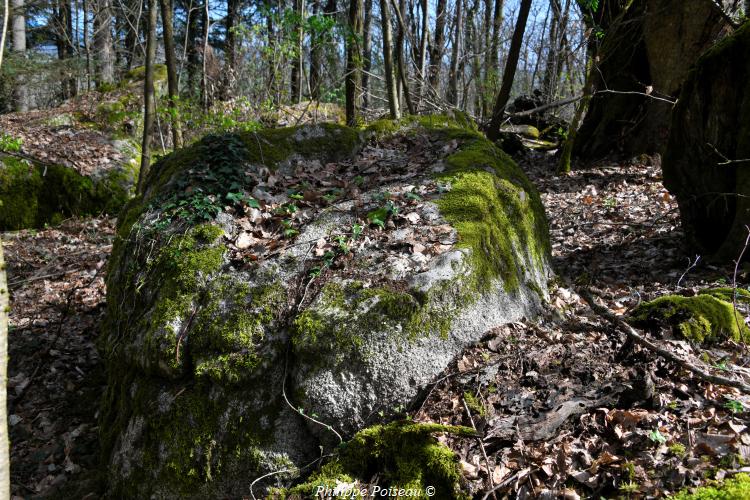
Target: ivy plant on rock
279	291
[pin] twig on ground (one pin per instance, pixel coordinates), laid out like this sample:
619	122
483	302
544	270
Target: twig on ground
481	447
691	265
638	339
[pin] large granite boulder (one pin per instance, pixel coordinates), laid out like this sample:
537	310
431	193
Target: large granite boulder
707	161
273	291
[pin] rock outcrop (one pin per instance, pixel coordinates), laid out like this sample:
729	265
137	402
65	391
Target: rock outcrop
706	164
273	291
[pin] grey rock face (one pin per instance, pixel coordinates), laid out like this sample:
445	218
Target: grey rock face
229	360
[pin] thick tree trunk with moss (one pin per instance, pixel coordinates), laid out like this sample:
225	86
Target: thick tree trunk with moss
645	50
707	161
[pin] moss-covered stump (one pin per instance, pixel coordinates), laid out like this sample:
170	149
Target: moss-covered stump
235	305
709	316
706	162
32	195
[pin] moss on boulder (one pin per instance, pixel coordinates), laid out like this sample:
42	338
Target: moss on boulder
224	352
706	317
32	195
405	454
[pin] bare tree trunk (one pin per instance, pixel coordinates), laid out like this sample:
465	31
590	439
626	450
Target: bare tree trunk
20	97
296	76
172	79
452	95
192	53
497	33
509	74
367	54
353	61
402	71
205	90
149	98
390	81
423	40
4	30
4	309
230	48
436	51
567	150
103	49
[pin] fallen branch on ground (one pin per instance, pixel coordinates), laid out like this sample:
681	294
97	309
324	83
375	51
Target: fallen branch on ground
638	339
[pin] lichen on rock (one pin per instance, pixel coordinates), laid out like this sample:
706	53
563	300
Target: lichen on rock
251	282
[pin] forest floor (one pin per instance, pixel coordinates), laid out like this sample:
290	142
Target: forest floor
567	408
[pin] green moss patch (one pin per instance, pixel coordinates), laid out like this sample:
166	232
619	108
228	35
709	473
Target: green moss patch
35	195
404	454
705	317
497	212
731	489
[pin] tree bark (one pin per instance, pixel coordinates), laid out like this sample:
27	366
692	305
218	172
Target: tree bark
353	61
192	53
296	76
510	70
452	94
149	104
4	438
172	77
230	47
390	81
4	29
366	54
646	51
103	48
436	51
402	71
20	97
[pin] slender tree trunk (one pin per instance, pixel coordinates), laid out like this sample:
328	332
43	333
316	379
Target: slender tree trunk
316	56
487	93
103	49
172	79
4	30
510	70
390	81
436	51
497	33
423	40
192	53
18	22
296	76
402	71
353	61
366	54
205	90
567	151
4	309
230	47
452	95
149	98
